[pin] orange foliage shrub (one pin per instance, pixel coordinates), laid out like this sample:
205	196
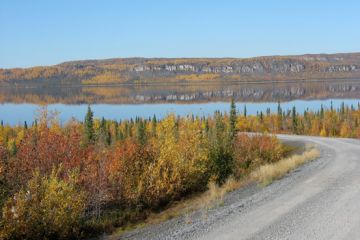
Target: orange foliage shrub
127	171
42	149
252	151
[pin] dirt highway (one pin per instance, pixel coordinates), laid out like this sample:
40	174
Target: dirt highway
320	200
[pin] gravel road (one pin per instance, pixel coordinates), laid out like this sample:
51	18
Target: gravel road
320	200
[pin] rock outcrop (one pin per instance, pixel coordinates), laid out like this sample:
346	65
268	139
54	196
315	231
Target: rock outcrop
186	70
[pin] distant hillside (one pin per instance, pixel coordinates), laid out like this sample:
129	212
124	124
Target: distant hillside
187	70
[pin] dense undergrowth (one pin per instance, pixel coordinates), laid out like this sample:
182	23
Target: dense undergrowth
85	178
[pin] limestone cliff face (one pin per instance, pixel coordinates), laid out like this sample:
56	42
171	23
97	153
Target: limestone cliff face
253	67
342	68
257	67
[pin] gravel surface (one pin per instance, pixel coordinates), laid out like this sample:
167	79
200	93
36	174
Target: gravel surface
319	200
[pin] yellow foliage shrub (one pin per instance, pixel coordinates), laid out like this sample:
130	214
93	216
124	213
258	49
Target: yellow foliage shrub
181	163
48	208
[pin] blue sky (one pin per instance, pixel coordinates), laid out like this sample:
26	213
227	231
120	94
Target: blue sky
46	32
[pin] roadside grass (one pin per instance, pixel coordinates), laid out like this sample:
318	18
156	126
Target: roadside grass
266	174
215	194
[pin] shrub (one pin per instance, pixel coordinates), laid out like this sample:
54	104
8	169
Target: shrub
181	164
3	184
253	151
47	208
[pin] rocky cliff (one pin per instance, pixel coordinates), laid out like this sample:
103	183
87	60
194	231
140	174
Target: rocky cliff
187	70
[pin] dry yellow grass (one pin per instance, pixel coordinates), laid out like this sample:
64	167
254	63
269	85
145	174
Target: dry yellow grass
268	173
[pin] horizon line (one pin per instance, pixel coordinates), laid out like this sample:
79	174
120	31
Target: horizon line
139	57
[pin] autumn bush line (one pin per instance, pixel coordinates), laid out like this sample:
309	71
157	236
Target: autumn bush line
83	178
326	122
80	179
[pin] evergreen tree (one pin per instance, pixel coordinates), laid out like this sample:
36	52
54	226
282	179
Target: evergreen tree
221	150
342	110
294	120
153	125
207	127
279	110
261	117
140	132
120	135
322	112
104	134
89	125
307	121
279	117
232	119
108	136
102	123
116	130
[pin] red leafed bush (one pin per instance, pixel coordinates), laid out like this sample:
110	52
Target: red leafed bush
251	151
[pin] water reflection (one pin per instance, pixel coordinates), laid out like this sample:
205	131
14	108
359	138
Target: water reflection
125	102
247	92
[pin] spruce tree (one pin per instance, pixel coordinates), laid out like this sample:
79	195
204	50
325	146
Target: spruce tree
104	134
322	112
89	125
207	127
232	119
221	153
140	132
108	136
279	117
342	110
153	125
279	110
294	120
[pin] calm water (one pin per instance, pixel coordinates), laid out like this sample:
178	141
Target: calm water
12	113
242	92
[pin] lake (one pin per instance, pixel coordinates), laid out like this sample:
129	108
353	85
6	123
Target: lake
13	114
125	102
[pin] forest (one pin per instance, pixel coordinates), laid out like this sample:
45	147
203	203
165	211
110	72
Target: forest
83	178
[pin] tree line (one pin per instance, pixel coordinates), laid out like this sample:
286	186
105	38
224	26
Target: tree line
326	122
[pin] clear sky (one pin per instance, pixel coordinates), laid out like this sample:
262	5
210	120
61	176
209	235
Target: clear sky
46	32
